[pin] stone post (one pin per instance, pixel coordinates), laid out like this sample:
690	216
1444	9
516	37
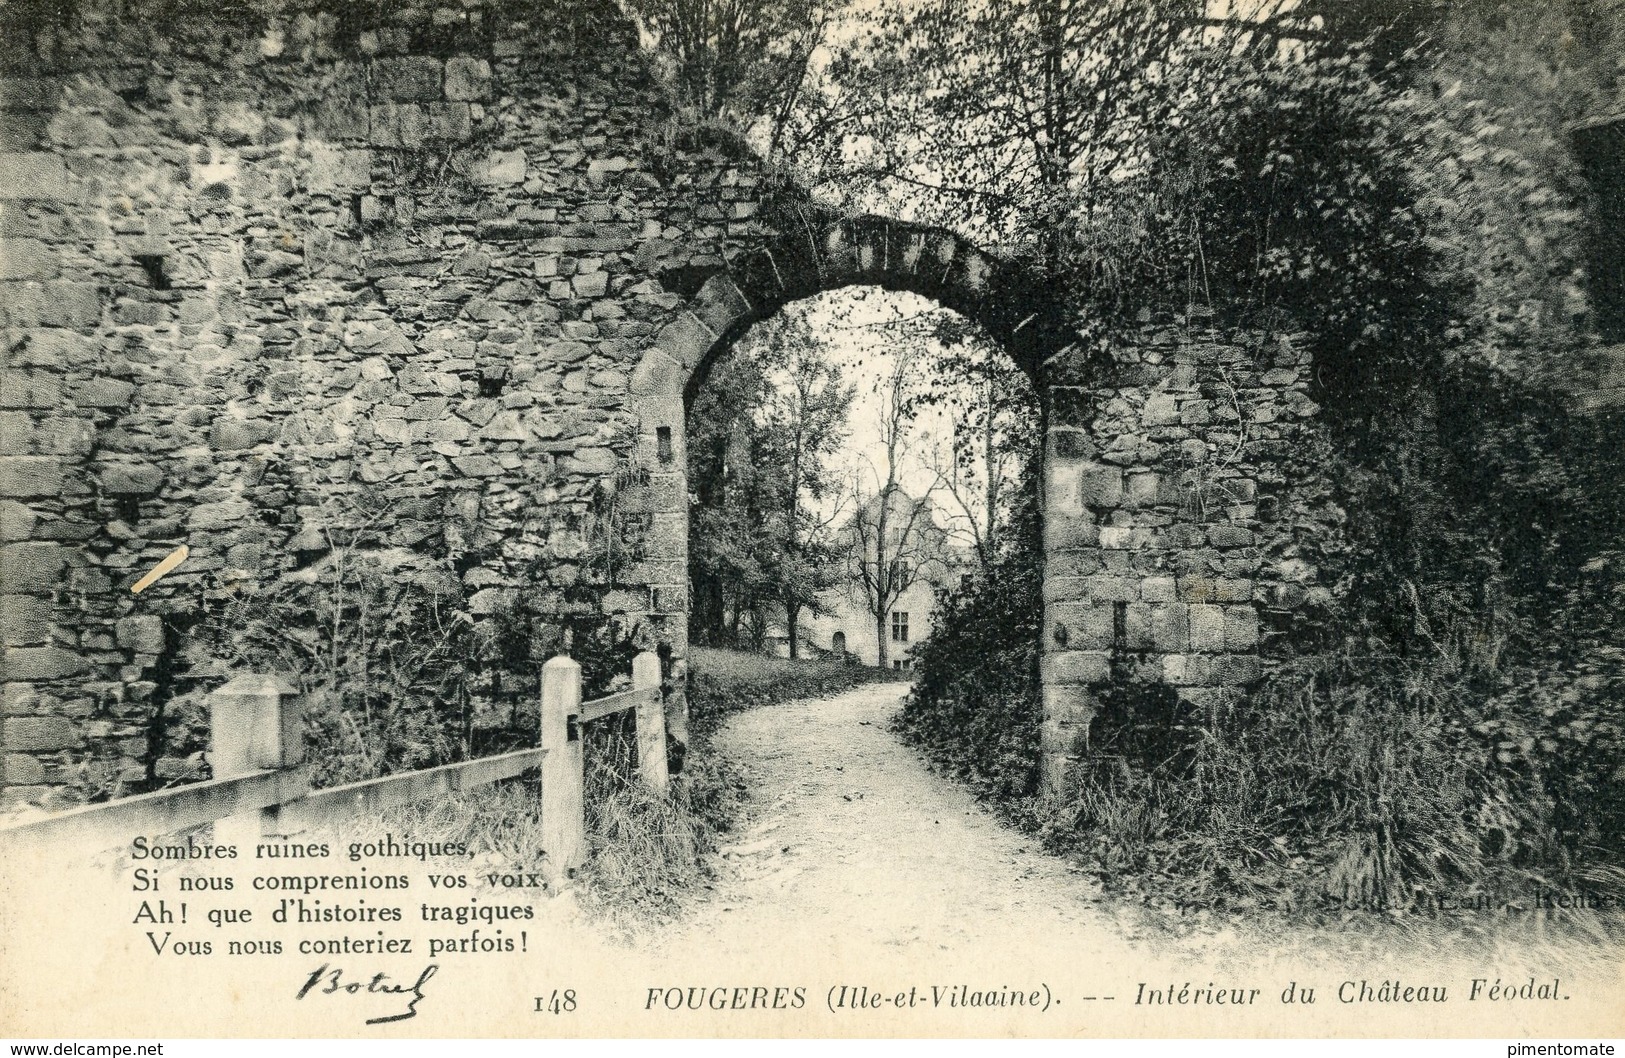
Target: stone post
256	723
651	720
564	822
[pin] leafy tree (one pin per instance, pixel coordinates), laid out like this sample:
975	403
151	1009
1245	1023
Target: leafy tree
1003	119
742	61
806	415
762	429
994	434
892	539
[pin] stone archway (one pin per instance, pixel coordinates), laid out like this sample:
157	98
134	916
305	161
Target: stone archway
813	251
1168	553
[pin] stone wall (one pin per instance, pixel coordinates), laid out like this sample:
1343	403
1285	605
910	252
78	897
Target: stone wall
422	288
268	284
1184	510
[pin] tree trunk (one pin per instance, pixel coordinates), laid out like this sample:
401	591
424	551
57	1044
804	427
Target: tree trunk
791	613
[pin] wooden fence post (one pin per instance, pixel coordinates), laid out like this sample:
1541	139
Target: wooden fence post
564	822
256	723
651	723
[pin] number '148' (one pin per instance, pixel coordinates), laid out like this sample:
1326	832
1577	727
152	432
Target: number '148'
558	1001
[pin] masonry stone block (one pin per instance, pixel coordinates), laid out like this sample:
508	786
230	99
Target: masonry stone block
211	517
658	375
23	770
1072	444
1240	628
591	285
449	121
1237	669
1116	537
668	536
1170	627
720	303
686	340
1232	589
103	393
1195	589
32	568
232	434
1068	531
1143	490
672	598
27	259
25	620
398	124
1207	628
1076	666
1230	536
141	633
1076	562
1105	588
1158	589
468	79
407	79
273	263
1070	704
30	389
25	477
33	176
597	461
1062	492
1058	742
54	348
41	663
17	521
72	305
338	169
1101	486
500	167
1161	409
1201	670
1079	626
1064	589
489	601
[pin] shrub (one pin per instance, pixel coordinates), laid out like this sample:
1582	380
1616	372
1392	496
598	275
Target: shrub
723	682
976	707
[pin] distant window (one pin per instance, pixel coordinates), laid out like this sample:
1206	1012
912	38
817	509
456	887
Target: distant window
902	665
899	626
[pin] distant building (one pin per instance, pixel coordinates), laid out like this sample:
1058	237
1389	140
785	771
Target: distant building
848	628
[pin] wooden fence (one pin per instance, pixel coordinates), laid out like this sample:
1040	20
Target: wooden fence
261	783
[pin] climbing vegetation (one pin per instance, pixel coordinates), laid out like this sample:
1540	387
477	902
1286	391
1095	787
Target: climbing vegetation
1403	196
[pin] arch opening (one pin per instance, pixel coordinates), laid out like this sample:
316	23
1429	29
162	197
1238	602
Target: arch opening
815	252
849	458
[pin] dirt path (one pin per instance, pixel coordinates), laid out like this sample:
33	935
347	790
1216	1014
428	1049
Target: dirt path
853	845
859	867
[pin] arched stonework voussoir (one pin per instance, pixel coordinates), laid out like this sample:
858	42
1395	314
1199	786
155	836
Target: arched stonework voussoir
807	249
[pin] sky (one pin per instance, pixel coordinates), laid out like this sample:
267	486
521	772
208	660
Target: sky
851	324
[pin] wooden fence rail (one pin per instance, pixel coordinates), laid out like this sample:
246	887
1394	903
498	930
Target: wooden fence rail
260	786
